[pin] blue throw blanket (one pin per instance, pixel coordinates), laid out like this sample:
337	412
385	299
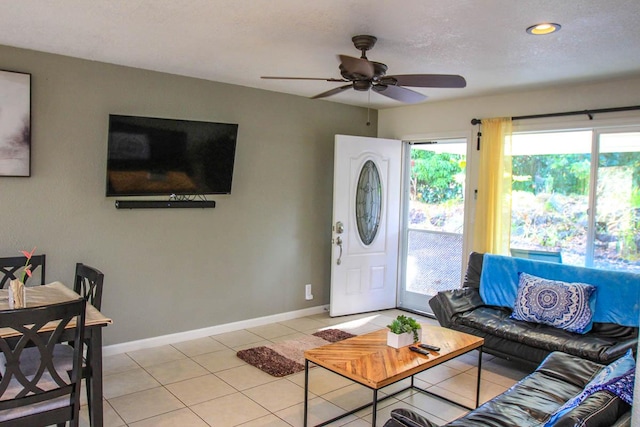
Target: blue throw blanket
617	294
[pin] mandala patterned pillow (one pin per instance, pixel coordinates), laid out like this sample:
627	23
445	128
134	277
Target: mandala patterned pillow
568	306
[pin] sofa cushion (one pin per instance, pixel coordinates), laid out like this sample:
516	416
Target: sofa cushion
497	321
555	303
570	369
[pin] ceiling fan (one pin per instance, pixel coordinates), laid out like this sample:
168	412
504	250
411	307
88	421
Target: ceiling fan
363	75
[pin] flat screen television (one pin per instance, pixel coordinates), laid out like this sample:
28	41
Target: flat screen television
153	156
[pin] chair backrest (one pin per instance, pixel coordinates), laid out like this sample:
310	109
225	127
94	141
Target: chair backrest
88	284
549	256
37	388
10	265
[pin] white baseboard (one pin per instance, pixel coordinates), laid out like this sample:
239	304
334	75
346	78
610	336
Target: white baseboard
212	330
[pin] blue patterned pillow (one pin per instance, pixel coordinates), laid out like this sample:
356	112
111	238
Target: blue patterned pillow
617	378
568	306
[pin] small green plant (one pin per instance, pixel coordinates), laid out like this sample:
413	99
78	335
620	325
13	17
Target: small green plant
403	324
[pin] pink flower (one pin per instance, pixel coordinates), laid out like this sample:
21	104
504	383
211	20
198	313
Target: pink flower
28	254
27	266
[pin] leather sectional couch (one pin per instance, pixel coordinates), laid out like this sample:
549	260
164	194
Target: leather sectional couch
534	400
464	310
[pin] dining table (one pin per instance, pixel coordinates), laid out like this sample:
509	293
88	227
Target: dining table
58	292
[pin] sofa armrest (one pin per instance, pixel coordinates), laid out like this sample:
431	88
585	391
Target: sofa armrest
447	304
619	349
393	423
407	418
474	270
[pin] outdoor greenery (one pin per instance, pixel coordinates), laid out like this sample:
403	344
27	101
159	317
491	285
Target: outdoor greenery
557	216
567	173
435	177
549	200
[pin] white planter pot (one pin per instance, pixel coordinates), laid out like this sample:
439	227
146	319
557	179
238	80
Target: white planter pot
399	340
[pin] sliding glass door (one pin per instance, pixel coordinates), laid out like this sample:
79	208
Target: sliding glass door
578	192
615	240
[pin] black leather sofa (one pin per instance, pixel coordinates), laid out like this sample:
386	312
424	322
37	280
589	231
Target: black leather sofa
464	310
533	400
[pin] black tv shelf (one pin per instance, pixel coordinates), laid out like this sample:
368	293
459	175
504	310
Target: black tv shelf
157	204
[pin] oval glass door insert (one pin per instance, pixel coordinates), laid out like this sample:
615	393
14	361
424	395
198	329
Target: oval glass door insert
368	202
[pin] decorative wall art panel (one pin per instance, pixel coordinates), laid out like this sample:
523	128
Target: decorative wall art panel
15	124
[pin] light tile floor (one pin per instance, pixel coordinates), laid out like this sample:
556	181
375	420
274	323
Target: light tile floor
202	383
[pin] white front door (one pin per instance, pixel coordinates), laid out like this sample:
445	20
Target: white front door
366	217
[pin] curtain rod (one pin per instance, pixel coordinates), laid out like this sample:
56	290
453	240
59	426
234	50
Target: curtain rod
589	113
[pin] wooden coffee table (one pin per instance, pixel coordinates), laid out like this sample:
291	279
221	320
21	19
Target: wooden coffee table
367	360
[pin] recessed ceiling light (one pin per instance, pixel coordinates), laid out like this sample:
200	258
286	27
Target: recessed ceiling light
545	28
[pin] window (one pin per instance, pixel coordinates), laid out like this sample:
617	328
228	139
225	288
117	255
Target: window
561	178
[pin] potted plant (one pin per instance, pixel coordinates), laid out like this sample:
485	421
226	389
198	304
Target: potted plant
403	331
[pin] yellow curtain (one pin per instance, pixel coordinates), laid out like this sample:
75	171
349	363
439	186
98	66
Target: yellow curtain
493	204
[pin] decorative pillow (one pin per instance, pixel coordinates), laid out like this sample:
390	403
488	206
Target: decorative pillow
568	306
617	378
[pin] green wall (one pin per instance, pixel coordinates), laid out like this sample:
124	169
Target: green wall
169	271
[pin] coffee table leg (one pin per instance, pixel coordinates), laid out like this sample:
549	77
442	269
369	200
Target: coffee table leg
479	371
375	408
306	389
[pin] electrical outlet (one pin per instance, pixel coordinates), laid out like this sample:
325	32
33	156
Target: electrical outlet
307	292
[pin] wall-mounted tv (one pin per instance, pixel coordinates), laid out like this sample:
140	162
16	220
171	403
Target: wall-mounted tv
153	156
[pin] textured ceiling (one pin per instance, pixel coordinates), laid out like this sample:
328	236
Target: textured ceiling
237	41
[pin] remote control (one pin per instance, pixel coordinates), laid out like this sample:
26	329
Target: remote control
429	347
419	350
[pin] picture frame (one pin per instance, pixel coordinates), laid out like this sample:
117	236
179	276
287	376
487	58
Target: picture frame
15	124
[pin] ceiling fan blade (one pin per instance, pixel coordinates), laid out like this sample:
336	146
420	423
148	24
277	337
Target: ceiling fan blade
399	93
361	68
332	91
429	80
302	78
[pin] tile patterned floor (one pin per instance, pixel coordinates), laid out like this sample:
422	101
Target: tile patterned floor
202	383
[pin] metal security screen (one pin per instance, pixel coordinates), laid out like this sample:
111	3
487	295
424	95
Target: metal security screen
433	261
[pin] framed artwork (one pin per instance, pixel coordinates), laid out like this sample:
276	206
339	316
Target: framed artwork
15	124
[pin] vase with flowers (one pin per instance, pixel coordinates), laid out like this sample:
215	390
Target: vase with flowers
17	291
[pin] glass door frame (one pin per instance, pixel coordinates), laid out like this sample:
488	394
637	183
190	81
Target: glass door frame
593	184
404	297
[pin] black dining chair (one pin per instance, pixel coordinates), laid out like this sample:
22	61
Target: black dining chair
41	375
88	284
10	265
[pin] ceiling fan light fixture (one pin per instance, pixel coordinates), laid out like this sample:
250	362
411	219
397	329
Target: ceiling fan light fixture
368	76
362	85
544	28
